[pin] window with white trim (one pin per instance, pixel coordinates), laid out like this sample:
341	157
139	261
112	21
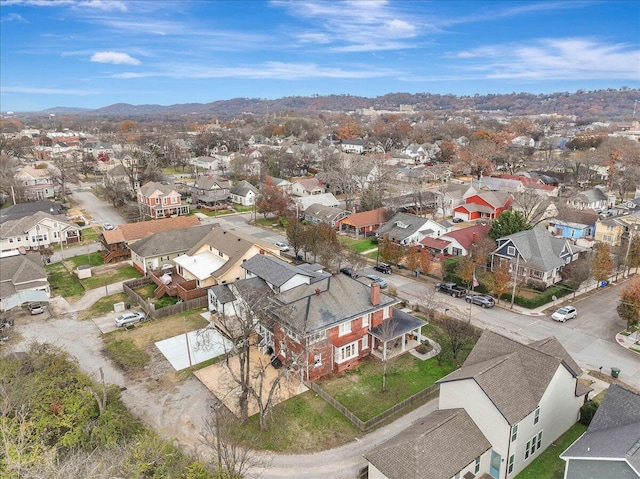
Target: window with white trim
477	467
365	341
316	337
366	320
533	445
514	432
344	328
347	352
512	458
511	250
317	360
536	415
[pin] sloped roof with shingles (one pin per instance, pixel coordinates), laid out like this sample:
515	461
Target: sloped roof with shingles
365	218
171	241
538	247
497	199
150	188
412	224
325	213
21	269
590	196
497	361
467	236
326	303
438	446
21	226
273	271
243	188
21	210
135	231
614	432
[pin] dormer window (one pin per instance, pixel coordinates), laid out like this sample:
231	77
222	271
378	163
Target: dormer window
511	250
400	224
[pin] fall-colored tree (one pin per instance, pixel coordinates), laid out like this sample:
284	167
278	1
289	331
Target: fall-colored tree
412	259
425	261
348	129
633	255
390	251
465	269
507	223
273	200
296	235
498	280
128	126
629	307
602	263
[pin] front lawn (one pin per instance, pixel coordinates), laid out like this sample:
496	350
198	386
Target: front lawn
359	246
360	389
548	464
214	213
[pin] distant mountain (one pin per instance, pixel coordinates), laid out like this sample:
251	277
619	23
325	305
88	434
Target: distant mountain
598	104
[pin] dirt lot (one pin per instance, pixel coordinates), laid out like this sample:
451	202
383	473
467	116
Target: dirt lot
172	404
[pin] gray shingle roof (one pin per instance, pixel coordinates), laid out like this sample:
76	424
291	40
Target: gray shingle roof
273	271
412	224
243	188
20	226
614	432
21	210
172	241
21	269
148	189
539	248
527	369
436	447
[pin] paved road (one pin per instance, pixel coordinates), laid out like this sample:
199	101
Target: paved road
100	211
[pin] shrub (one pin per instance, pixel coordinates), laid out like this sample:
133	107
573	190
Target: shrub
587	411
126	355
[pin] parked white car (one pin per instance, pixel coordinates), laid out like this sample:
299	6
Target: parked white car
564	313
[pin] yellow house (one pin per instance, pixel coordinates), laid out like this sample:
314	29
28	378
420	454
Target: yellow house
612	230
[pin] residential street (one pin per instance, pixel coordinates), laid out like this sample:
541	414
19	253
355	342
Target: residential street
99	211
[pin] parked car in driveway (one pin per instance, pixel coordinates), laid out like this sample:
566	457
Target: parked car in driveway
36	308
374	277
481	300
383	268
108	226
564	313
452	289
128	319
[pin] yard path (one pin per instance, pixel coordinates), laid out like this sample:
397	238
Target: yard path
341	462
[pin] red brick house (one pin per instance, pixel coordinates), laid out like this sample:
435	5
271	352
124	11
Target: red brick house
483	205
321	323
160	201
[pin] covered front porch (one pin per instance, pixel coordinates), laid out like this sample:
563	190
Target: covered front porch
396	335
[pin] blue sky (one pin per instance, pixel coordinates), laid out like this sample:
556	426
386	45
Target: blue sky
94	53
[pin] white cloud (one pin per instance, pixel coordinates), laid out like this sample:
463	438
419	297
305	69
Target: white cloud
105	5
116	58
48	91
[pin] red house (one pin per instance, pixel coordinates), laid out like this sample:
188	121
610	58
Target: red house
486	204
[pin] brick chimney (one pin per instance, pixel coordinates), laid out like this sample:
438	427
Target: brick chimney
375	293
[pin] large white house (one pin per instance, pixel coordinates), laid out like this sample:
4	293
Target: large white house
39	230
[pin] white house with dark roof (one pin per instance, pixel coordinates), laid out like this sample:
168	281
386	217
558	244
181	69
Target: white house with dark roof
504	406
407	229
244	193
37	231
594	199
611	446
316	214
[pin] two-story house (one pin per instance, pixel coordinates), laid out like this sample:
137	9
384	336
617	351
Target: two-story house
353	146
316	214
504	406
209	191
535	255
160	201
37	183
37	231
614	230
325	323
594	199
483	205
307	187
457	242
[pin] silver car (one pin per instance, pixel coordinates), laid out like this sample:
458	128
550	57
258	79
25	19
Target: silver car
564	313
127	319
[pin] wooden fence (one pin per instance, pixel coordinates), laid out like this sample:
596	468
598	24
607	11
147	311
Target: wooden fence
149	308
374	421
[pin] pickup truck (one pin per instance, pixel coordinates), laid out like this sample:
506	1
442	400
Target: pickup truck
451	288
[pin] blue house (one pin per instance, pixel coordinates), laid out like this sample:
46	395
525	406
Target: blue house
571	230
536	255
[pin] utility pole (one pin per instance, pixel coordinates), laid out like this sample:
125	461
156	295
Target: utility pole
515	279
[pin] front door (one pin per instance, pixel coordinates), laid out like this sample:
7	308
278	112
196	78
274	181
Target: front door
494	467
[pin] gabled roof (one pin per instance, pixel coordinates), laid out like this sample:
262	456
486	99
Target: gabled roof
326	213
20	226
20	210
497	199
590	196
365	218
402	225
467	236
614	432
310	184
538	247
118	170
170	241
135	231
35	172
150	188
497	361
210	182
20	269
438	446
274	271
243	188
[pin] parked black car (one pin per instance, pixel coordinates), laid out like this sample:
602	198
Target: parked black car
451	288
349	272
383	268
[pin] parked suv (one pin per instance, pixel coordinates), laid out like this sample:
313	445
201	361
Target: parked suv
481	300
451	288
383	268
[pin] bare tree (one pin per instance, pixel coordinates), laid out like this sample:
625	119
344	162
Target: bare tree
386	332
458	334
